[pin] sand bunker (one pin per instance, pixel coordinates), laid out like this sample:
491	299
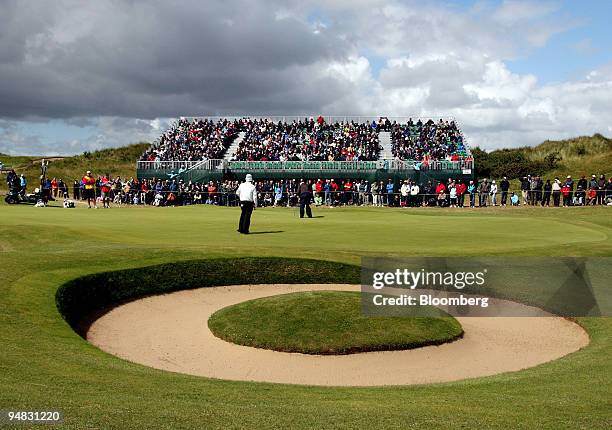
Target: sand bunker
170	332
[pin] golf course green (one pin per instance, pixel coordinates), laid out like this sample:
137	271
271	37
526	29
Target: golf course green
46	365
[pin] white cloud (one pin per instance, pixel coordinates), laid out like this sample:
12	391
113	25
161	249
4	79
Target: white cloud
65	61
543	110
500	85
355	70
512	12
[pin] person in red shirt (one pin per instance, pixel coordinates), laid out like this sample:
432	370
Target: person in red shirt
334	190
441	193
591	197
105	188
348	194
319	188
566	191
54	187
461	189
144	190
212	193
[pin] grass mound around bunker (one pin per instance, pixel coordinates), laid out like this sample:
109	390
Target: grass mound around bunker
327	322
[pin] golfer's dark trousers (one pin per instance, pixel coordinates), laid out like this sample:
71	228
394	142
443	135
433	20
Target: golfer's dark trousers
305	203
245	216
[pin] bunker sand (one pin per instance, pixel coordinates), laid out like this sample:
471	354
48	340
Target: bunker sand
170	332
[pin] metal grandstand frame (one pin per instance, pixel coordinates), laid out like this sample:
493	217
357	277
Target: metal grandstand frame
333	118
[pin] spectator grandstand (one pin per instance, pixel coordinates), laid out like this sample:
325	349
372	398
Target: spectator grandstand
308	140
199	139
428	141
364	148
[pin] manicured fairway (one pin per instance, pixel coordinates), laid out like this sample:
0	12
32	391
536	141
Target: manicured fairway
44	364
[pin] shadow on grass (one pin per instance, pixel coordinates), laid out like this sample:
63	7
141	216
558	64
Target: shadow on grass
267	232
82	300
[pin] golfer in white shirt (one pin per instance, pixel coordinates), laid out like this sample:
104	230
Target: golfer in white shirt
247	194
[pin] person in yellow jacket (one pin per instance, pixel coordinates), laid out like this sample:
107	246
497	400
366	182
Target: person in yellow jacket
89	191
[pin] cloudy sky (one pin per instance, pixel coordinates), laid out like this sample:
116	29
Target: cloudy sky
77	76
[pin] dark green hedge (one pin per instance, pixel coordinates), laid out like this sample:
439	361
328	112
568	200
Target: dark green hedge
512	163
82	297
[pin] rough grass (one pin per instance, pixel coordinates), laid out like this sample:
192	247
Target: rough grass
45	364
571	149
327	323
584	155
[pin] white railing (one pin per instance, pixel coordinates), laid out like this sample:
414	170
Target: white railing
449	165
328	118
181	166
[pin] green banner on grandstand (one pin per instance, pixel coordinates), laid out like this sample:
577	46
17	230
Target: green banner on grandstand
371	170
306	165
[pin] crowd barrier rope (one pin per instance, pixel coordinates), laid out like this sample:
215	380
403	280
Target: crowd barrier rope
351	198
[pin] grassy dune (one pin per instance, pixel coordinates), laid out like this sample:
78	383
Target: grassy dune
585	155
114	161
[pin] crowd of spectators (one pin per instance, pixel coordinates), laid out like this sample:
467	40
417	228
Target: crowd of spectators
193	140
427	141
537	191
534	191
307	140
341	192
49	189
